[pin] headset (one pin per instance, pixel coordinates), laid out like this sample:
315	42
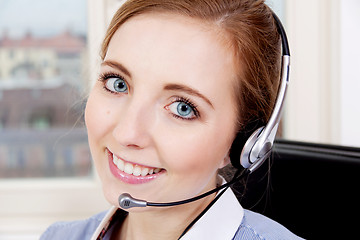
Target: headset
257	147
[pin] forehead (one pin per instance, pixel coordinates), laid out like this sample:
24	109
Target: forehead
174	32
174	47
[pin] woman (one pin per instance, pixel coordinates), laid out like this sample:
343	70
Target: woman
179	81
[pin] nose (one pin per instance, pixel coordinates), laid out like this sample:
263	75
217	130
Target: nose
132	128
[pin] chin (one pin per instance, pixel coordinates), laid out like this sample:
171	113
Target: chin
110	195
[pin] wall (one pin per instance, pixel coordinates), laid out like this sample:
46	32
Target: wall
349	73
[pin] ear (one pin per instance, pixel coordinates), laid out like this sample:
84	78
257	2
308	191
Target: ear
225	161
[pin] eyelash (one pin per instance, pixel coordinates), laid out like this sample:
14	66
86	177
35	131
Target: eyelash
105	76
187	101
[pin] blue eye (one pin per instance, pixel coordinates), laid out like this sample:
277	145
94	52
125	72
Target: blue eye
116	84
183	109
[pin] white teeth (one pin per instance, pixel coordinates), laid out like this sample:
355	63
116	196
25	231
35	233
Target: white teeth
137	171
120	164
115	159
144	172
128	168
134	169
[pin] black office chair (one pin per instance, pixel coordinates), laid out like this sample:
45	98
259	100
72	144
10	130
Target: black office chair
312	189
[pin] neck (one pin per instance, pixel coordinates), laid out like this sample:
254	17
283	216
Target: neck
162	223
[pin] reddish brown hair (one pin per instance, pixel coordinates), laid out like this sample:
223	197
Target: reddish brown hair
251	29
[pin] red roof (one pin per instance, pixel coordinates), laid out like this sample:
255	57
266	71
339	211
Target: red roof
62	43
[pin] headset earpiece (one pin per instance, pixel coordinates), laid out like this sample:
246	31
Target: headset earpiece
252	157
237	148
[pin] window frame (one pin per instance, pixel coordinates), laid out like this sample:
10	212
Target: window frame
29	206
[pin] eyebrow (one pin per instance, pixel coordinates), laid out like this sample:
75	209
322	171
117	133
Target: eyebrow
188	90
116	65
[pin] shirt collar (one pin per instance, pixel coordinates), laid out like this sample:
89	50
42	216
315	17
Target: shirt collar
104	224
221	221
226	210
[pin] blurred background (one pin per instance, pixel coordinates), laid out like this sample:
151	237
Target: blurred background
49	58
43	55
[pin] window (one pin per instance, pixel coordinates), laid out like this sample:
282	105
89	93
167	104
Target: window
42	83
44	154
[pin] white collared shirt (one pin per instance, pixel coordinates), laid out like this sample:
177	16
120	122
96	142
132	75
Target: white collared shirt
221	221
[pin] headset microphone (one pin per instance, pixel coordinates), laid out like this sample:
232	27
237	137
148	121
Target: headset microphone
126	201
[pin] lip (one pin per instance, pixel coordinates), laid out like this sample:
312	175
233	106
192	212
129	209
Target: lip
129	178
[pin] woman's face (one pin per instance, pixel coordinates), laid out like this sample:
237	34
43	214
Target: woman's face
161	118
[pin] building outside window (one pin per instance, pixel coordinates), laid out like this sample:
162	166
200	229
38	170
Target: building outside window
42	85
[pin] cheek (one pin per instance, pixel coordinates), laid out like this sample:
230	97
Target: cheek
96	120
205	150
192	161
198	153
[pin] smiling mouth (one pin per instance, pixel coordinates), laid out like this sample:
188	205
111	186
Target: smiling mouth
133	169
